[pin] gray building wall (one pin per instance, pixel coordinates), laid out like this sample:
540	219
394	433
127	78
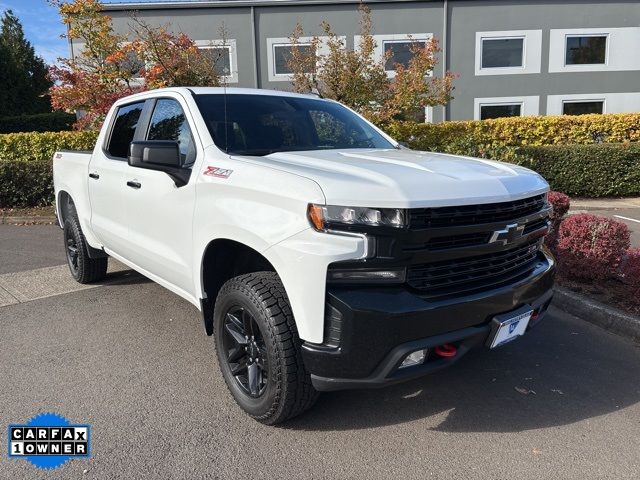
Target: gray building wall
468	17
250	24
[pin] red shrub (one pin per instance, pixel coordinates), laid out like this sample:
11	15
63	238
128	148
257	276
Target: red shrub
630	270
560	203
591	247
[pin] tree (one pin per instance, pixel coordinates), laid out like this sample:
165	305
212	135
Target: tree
358	79
24	81
111	66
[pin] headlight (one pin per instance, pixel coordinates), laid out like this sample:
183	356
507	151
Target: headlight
324	217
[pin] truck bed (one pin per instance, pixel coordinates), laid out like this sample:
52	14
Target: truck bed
71	174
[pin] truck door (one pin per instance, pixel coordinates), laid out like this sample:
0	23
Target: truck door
106	180
159	214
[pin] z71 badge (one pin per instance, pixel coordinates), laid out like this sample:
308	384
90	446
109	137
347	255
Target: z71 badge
217	172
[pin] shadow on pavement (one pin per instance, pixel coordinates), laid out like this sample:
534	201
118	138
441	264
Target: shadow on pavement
576	370
124	277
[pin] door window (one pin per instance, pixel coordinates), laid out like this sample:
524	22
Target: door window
124	129
168	122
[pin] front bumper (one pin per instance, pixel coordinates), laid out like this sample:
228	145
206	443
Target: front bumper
369	331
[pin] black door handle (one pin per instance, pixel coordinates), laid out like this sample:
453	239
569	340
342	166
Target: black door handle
94	175
134	184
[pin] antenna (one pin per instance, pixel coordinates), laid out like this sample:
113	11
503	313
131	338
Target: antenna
226	123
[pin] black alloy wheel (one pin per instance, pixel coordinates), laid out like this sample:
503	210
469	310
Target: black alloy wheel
246	351
72	252
82	267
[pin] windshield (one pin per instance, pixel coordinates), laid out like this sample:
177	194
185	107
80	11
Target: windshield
264	124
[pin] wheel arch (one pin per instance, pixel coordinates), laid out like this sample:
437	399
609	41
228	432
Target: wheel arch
64	206
222	260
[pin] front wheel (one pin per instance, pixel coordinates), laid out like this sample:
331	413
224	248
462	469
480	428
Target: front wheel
258	348
83	268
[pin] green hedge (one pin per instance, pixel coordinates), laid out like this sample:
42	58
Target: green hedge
26	183
494	135
26	165
596	170
42	122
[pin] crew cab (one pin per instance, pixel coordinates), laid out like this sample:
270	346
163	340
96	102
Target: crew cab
321	254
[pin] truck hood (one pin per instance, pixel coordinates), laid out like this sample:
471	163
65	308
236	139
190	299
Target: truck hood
406	178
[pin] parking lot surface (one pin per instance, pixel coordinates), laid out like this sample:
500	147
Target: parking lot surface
132	360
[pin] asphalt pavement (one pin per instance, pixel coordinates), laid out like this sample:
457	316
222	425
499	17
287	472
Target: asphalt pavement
132	360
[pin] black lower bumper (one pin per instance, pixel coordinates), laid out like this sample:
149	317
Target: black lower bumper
372	330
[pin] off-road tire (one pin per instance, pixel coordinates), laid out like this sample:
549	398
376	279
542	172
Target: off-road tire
84	269
288	390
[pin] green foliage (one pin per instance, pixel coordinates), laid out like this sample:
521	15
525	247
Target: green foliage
39	122
25	183
586	155
23	81
26	177
596	170
496	135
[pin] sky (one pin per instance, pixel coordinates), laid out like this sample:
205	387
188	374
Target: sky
42	26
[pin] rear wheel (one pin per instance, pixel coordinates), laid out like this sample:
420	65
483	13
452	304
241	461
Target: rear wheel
258	349
83	268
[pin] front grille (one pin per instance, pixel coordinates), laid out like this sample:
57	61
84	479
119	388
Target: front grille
451	241
474	214
467	274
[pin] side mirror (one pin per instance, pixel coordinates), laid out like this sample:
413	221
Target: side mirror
160	155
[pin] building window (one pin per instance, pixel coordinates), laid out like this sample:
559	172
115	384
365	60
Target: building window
502	52
282	56
499	111
220	58
499	107
399	45
400	51
586	50
582	107
510	52
223	57
603	49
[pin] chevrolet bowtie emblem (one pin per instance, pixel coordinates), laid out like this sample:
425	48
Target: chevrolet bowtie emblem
510	234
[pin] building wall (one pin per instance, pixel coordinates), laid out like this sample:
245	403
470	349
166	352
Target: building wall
540	90
469	17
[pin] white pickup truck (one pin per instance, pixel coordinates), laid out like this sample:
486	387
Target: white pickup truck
322	254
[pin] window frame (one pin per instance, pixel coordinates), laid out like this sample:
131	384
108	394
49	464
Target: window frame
567	36
603	101
620	41
112	124
381	39
493	39
529	105
385	42
503	104
273	56
286	42
531	52
229	44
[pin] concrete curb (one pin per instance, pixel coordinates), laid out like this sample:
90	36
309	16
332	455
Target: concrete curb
30	220
609	318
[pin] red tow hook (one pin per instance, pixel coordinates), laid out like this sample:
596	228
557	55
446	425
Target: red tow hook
447	350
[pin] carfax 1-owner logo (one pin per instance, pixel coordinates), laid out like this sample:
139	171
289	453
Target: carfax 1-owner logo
48	440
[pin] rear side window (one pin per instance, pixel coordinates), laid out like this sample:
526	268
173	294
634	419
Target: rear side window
168	122
123	130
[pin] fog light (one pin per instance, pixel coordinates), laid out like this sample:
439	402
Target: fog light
414	358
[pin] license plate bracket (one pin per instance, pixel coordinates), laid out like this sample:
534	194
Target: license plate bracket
509	326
